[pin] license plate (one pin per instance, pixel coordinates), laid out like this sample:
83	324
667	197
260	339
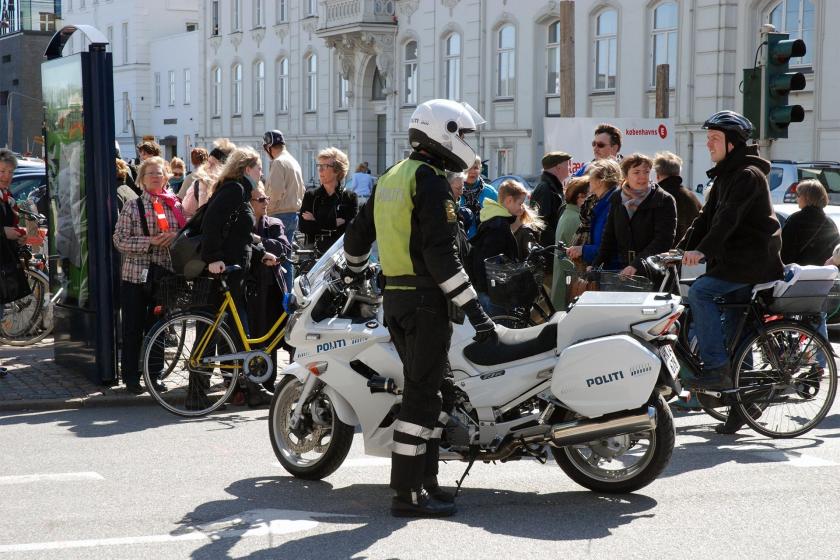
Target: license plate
670	359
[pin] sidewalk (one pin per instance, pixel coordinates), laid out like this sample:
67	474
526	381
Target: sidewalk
35	382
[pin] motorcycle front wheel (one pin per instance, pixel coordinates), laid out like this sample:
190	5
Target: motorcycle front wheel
621	464
321	441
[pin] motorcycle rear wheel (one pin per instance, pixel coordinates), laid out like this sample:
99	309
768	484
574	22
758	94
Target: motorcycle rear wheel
322	440
585	464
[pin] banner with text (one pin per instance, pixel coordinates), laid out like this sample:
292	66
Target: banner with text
574	135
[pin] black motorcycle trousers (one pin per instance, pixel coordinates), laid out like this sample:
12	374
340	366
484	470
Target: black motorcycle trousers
418	321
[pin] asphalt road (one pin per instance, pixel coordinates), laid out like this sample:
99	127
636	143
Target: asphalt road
139	483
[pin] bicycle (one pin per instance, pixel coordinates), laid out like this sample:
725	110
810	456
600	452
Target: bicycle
518	287
784	373
29	320
197	362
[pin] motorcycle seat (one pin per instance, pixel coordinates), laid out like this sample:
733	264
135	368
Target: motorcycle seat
514	344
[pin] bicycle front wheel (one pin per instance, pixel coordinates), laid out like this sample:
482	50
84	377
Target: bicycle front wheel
178	378
786	379
21	321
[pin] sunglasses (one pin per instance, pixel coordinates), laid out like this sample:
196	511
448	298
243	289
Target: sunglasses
262	199
599	144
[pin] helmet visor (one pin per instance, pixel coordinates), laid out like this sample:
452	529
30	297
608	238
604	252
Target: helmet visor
476	117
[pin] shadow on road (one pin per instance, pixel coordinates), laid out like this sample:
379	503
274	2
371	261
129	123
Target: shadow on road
114	421
557	516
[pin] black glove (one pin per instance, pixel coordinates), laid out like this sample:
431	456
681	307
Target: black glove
485	328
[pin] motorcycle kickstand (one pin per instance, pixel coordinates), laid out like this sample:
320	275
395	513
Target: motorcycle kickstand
473	457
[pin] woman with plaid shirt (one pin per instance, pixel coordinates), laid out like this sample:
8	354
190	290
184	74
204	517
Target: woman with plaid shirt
144	240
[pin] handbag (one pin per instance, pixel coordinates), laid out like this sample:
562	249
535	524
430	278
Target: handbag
13	282
156	272
185	250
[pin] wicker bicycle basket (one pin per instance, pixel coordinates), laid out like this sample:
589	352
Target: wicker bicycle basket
177	293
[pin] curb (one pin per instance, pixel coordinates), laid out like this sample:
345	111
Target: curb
76	403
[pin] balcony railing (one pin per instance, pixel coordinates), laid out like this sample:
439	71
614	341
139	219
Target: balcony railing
340	13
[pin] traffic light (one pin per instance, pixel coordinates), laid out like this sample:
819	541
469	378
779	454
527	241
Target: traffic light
779	82
752	99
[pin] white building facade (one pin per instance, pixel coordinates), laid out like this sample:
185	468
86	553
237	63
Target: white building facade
348	73
148	38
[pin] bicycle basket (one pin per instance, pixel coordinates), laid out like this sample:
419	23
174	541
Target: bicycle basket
615	282
176	292
511	283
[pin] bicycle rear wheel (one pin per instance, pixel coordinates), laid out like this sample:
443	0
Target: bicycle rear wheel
787	380
179	386
21	324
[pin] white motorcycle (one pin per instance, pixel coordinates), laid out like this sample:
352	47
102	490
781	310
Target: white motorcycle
590	385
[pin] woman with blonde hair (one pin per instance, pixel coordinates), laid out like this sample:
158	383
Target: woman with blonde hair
326	210
508	227
227	225
144	231
604	178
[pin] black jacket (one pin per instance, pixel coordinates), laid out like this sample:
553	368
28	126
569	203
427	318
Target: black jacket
492	238
227	225
809	237
549	202
650	231
688	207
327	209
267	284
737	229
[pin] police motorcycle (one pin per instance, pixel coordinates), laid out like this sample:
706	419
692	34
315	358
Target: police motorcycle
590	385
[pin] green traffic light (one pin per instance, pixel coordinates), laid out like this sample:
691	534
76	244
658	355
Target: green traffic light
779	81
782	51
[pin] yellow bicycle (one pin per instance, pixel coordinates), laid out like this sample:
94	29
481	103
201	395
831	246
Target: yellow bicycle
192	362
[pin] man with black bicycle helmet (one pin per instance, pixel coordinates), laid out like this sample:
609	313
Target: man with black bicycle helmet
739	237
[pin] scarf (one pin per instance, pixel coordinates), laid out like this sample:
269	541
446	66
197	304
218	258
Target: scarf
7	198
173	202
631	198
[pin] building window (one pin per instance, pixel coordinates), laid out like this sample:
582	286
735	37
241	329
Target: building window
172	88
126	112
236	15
311	64
283	85
282	14
187	87
236	98
214	18
312	162
191	26
216	94
606	30
664	41
796	17
452	67
410	74
258	14
506	61
259	87
343	89
377	90
157	89
504	158
552	57
110	38
311	7
125	42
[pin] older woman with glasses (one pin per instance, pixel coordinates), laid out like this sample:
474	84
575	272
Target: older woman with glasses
144	231
326	210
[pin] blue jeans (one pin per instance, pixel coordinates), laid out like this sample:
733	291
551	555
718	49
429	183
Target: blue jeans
290	224
713	327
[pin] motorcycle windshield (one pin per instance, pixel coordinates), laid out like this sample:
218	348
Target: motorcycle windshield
334	256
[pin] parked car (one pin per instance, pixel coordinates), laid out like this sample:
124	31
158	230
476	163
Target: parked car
528	181
29	175
785	175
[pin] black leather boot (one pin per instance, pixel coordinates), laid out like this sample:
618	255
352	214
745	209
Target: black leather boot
257	396
435	491
735	421
418	503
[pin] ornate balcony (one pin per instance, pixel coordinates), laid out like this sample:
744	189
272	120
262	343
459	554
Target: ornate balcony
341	17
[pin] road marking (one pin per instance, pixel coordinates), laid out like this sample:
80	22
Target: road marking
53	477
252	523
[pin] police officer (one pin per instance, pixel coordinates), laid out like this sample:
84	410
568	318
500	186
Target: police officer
415	219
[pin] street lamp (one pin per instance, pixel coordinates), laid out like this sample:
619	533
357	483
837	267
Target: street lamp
10	124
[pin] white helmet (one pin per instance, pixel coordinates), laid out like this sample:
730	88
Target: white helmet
438	127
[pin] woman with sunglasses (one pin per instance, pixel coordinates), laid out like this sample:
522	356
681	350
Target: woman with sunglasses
326	210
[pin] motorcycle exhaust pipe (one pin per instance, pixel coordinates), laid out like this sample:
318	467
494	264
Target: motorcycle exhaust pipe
584	431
